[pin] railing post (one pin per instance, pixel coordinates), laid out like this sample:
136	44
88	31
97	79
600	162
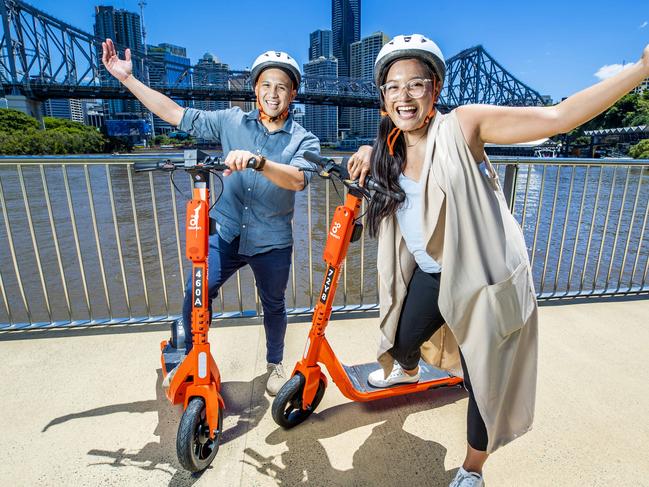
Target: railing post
509	188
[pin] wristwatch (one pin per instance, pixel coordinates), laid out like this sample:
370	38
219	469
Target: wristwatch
261	163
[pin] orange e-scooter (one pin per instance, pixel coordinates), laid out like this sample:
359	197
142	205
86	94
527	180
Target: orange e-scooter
197	382
300	396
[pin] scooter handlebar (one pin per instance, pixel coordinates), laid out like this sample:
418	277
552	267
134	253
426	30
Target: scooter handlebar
374	186
317	159
167	165
328	164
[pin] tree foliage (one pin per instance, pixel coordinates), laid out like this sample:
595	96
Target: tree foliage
21	134
15	120
640	150
629	111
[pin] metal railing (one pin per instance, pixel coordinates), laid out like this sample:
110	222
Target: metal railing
85	241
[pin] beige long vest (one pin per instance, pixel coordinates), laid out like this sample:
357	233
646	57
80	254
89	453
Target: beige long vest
486	297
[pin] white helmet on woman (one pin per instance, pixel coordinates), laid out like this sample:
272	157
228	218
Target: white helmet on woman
276	59
412	46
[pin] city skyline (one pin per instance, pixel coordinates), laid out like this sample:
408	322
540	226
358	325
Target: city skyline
529	43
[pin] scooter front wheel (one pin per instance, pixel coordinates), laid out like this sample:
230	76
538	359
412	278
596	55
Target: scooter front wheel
194	447
287	407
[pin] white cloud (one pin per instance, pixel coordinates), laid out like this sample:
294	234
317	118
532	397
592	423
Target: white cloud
609	70
643	25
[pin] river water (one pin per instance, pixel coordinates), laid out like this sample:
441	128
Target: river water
590	236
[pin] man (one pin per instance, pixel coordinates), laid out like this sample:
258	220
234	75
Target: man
255	210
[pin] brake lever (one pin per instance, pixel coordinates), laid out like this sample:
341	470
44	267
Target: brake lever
353	183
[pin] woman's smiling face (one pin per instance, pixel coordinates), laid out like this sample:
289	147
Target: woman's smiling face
408	93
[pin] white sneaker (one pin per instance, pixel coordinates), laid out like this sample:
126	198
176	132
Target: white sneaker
467	479
397	376
276	378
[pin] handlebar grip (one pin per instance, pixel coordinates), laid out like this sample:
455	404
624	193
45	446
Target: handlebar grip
374	186
316	159
328	164
219	166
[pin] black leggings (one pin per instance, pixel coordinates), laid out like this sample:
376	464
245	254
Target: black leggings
420	319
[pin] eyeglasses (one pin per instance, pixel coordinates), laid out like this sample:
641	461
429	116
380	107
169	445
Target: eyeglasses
416	88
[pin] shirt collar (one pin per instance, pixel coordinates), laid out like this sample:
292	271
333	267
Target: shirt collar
288	124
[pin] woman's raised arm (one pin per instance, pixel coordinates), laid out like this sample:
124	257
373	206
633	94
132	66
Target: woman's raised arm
511	125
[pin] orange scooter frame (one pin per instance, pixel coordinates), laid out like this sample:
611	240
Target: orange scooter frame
302	393
198	374
195	381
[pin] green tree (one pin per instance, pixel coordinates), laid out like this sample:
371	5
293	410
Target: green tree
640	150
19	135
12	120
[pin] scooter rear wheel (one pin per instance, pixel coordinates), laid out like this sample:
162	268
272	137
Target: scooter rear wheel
287	407
194	447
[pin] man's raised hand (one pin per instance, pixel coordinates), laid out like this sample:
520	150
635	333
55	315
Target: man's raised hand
119	68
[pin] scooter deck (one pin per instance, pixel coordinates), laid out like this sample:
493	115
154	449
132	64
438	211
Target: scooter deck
172	356
358	375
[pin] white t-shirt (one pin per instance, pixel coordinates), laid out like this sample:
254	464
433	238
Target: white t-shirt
409	217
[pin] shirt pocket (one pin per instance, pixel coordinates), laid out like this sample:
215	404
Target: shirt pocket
512	301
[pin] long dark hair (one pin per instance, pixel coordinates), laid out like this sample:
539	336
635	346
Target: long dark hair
386	168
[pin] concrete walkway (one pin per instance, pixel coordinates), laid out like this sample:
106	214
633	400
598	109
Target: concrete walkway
84	408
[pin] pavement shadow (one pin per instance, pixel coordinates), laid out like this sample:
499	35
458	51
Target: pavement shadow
246	405
389	456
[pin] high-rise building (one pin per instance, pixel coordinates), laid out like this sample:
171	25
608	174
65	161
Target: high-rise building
298	115
346	29
68	108
322	120
241	82
125	29
168	66
365	121
122	26
320	44
355	71
93	113
210	72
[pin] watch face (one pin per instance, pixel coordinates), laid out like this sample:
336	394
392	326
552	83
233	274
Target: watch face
262	162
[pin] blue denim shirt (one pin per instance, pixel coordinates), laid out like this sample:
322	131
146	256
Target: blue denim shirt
251	206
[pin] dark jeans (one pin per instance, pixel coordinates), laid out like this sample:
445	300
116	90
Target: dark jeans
271	270
420	319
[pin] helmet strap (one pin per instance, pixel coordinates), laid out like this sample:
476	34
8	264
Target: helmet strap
264	117
392	139
396	131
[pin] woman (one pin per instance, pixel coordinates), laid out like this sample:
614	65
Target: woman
455	218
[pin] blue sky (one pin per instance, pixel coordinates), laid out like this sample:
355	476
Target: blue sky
556	47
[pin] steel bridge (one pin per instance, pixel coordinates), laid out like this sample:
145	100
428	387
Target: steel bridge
43	57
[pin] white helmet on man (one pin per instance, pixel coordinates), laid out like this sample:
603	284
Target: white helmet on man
276	59
412	46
